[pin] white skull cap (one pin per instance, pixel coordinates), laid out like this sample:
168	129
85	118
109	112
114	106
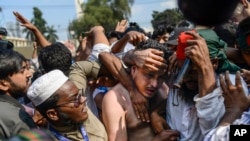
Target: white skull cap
45	86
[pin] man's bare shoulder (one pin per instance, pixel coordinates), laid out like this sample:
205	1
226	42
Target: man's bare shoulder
118	94
118	90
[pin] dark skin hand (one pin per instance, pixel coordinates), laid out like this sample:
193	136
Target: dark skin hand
167	135
158	121
236	101
246	75
197	52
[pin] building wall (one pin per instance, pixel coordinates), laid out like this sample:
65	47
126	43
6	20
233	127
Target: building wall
22	45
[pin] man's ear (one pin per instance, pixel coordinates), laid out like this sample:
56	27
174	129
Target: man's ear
4	85
133	70
52	114
215	63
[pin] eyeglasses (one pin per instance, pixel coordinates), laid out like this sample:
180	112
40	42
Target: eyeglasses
77	102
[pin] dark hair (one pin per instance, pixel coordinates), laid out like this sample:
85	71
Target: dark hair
10	62
55	56
227	32
5	44
133	26
48	104
161	30
149	43
3	31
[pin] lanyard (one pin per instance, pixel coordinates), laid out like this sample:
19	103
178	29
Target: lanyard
62	138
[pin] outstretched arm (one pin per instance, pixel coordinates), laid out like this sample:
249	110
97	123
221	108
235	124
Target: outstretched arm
24	22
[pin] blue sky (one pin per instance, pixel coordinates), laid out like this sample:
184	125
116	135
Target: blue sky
60	12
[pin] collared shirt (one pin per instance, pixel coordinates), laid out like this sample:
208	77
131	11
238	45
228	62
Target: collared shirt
94	128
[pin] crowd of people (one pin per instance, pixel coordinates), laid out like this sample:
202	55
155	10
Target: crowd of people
184	83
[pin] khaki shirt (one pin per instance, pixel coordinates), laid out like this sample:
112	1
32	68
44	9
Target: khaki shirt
93	127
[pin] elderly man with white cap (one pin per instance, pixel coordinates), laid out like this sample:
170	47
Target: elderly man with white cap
64	106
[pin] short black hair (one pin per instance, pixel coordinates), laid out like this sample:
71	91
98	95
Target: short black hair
227	32
3	31
149	43
10	62
55	56
161	30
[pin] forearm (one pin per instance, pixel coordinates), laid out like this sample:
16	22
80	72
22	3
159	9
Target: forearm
99	37
206	80
40	38
230	117
34	54
114	65
120	45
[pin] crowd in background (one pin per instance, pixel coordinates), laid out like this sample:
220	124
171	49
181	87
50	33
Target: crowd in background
187	82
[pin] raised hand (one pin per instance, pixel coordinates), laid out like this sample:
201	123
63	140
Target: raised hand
236	100
234	95
121	26
24	22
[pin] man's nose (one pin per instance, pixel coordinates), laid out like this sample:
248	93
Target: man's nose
154	82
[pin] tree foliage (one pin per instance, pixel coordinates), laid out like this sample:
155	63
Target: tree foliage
50	34
48	31
101	12
167	17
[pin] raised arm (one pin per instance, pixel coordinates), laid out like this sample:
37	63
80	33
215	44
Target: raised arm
197	51
236	101
24	22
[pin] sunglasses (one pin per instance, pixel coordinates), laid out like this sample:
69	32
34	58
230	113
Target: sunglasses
77	102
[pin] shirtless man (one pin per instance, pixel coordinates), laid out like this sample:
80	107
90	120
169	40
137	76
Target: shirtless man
119	116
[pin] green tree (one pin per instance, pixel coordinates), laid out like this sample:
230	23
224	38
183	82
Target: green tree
101	12
51	34
48	31
38	21
167	17
121	8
